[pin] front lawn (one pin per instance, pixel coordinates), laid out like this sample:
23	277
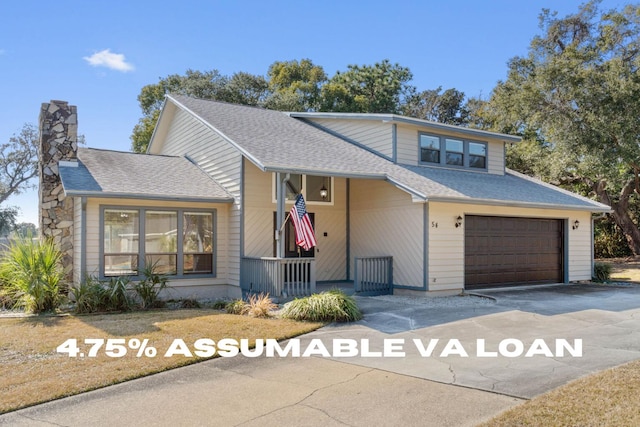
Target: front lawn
32	371
607	398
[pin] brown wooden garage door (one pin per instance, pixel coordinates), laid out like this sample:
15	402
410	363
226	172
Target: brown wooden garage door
501	251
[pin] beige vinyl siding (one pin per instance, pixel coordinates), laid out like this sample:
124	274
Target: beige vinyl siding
407	142
375	135
580	247
384	221
222	259
446	242
408	150
77	240
495	157
331	219
188	136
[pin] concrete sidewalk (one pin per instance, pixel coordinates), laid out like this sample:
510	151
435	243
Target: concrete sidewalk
270	392
411	390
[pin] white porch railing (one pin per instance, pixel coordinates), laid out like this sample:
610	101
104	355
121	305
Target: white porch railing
373	275
279	277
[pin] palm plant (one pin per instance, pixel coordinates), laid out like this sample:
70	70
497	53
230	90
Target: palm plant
31	274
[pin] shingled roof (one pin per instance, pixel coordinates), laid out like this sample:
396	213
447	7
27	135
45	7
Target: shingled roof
105	173
276	142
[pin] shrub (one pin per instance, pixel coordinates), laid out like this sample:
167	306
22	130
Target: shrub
237	306
31	274
190	303
330	306
5	299
118	294
601	271
90	296
219	304
260	306
148	289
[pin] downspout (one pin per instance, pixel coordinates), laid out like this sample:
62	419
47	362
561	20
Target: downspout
280	201
83	239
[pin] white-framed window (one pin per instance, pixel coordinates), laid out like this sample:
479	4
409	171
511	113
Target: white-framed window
317	189
452	152
177	242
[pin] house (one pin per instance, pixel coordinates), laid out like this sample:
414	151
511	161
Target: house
398	204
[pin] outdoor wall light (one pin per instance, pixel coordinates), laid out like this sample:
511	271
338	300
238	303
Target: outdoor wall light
324	192
576	224
458	221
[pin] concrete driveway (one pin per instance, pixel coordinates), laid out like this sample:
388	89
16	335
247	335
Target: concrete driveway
605	318
437	390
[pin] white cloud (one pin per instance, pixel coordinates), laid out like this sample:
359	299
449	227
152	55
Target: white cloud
106	58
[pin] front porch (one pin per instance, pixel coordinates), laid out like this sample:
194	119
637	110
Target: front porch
287	278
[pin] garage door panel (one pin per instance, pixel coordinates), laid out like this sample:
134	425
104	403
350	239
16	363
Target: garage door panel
505	251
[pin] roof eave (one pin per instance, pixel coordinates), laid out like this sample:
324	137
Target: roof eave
110	195
323	172
516	204
394	118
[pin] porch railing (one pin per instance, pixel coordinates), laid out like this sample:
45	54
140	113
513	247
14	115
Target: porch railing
279	277
373	275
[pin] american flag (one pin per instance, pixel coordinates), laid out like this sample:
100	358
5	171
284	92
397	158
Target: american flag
302	223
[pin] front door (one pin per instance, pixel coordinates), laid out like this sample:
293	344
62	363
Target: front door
291	250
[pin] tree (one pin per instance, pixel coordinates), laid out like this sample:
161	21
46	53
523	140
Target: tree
295	85
206	85
435	105
18	162
576	95
244	88
381	88
26	229
8	220
241	88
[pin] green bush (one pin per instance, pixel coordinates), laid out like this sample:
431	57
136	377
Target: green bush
330	306
148	289
219	304
31	275
237	306
118	294
601	271
90	296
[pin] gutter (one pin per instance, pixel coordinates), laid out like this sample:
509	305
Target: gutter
102	195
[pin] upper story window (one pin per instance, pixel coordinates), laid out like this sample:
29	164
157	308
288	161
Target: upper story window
438	150
317	189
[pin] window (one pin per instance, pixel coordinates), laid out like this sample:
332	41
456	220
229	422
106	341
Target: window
477	155
161	241
197	242
317	189
437	150
429	149
455	152
121	241
175	242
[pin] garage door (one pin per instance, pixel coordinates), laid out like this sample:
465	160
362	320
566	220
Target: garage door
501	251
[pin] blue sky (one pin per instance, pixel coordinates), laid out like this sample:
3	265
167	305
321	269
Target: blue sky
99	54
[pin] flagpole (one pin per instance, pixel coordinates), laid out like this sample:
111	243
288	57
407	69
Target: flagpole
288	214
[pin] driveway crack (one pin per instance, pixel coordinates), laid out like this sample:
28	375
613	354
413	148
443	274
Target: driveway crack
300	402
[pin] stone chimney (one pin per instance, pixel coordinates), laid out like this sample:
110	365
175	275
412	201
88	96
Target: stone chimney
58	142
